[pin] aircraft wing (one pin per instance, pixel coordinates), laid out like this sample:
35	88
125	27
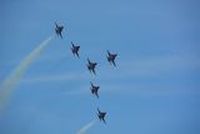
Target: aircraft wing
104	120
61	35
113	63
96	93
94	71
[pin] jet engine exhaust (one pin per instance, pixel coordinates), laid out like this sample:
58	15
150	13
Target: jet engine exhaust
11	82
85	128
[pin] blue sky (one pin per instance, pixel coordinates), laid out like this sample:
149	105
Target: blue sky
154	89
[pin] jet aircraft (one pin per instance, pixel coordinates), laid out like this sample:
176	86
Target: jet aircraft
111	58
91	66
58	30
94	89
101	115
75	49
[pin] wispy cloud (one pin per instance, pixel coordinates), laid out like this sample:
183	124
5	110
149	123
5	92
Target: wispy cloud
128	68
153	66
121	78
70	76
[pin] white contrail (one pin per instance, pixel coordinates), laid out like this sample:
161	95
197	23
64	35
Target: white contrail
84	129
6	88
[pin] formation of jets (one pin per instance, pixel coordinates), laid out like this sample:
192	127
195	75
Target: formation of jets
91	66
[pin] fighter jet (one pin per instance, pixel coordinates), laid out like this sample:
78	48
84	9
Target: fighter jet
59	29
111	58
91	66
101	115
75	49
94	89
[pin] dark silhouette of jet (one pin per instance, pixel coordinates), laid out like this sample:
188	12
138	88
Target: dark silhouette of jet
75	49
59	29
91	66
111	58
94	89
101	115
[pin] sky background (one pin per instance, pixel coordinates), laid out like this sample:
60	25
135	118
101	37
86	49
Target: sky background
155	88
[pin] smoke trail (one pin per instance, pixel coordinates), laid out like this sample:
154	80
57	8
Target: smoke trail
14	78
84	129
